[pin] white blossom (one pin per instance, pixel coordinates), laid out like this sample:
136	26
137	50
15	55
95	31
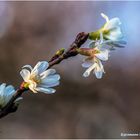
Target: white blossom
111	30
93	63
6	93
39	78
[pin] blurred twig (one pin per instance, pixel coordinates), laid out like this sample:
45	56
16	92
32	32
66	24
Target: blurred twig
56	59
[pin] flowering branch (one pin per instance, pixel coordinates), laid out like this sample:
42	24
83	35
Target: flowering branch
11	106
56	59
42	77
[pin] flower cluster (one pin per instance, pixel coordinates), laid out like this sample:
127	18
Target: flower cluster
103	41
39	78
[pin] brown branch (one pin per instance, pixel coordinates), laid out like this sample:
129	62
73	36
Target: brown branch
56	59
72	51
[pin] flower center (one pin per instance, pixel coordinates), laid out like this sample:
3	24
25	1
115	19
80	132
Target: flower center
35	78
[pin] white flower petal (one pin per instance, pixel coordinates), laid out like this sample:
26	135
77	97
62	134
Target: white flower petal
32	87
50	80
98	74
105	17
99	70
2	89
103	55
115	34
101	66
54	77
18	99
47	73
86	64
28	66
6	94
115	22
87	72
46	90
47	85
25	74
40	67
113	38
115	31
10	90
101	38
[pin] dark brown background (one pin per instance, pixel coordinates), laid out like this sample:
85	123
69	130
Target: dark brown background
81	107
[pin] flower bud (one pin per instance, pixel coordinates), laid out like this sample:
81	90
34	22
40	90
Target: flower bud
87	51
60	52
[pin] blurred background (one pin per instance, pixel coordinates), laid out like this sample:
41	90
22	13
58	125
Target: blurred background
81	107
